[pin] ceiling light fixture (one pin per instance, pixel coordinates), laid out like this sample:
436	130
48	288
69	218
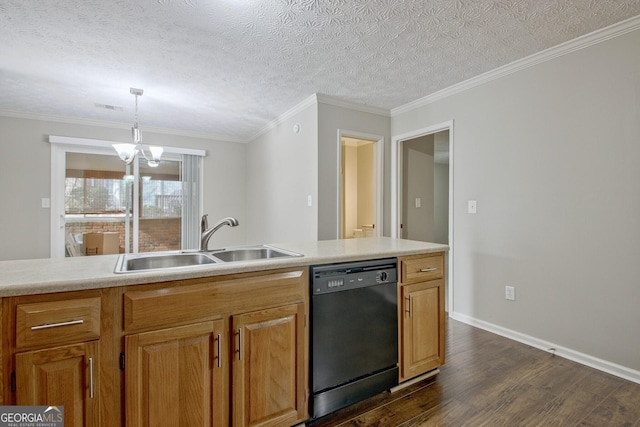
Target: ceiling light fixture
127	151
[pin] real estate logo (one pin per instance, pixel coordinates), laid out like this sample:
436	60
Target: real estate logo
31	416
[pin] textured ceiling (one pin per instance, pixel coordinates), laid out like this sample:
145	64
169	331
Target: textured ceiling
226	68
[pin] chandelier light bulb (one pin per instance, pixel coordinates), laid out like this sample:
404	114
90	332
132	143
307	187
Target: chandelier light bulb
126	152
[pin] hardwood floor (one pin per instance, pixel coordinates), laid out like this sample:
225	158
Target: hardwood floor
489	380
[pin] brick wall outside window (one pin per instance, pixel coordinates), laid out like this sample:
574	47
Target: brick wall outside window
156	234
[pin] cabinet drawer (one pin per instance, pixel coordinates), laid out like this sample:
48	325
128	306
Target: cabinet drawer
57	322
182	305
422	268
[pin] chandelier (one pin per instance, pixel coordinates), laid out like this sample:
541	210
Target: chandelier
127	151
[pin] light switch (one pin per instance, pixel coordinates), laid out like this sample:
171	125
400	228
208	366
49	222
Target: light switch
472	206
309	200
418	202
45	202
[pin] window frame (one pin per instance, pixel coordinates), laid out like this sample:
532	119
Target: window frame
60	146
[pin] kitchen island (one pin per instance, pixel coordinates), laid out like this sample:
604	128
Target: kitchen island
183	346
25	277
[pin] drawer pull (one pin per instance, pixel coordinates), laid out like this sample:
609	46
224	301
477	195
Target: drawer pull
219	339
91	392
56	325
426	270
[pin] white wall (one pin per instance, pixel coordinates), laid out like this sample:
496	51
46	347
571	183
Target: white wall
552	155
366	185
330	119
350	192
225	190
25	177
358	187
282	171
418	183
441	203
441	192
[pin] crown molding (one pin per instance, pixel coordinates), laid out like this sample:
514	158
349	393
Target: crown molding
598	36
318	98
337	102
112	125
306	103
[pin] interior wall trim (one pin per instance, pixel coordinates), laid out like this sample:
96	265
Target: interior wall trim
598	36
337	102
104	144
112	125
564	352
306	103
318	98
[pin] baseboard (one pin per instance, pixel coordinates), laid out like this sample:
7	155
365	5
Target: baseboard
567	353
417	379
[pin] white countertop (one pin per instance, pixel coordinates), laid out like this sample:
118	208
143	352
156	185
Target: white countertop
37	276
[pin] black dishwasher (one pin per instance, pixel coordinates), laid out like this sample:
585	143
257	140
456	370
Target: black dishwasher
354	332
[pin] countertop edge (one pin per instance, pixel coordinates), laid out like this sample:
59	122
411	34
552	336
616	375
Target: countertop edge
42	276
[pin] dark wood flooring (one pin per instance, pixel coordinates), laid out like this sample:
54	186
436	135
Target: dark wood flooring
489	380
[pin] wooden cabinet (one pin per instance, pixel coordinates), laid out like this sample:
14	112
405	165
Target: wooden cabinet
55	355
62	376
174	376
268	372
162	354
421	314
57	322
231	351
214	351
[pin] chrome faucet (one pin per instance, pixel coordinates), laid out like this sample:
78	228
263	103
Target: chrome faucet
206	232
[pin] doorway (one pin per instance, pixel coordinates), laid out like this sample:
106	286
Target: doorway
422	189
360	198
99	203
93	192
425	188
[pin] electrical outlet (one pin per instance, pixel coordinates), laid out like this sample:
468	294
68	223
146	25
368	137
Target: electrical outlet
510	293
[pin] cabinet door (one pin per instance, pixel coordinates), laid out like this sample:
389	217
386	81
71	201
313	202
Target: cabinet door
62	376
422	330
268	367
174	377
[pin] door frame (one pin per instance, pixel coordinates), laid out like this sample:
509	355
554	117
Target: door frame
396	190
60	146
378	172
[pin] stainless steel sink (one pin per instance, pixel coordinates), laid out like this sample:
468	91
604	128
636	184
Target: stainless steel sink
161	260
251	253
151	261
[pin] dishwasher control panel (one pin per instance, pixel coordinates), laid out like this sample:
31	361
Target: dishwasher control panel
335	283
345	276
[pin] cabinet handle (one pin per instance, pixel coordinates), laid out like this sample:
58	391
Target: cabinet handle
426	270
91	393
219	350
56	325
410	304
239	343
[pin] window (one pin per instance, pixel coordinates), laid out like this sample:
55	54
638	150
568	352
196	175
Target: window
94	193
135	208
